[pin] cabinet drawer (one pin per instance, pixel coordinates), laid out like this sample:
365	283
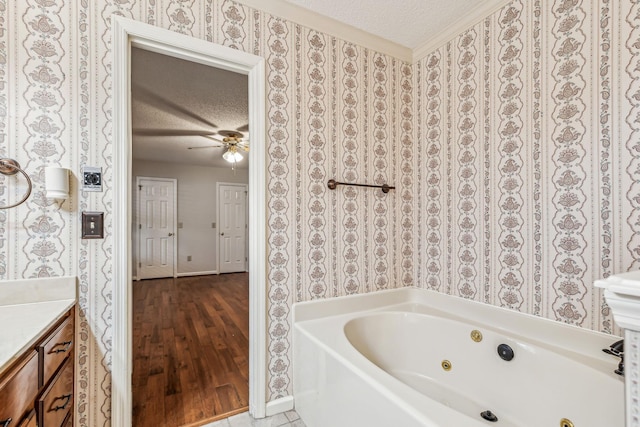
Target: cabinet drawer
17	390
55	349
56	401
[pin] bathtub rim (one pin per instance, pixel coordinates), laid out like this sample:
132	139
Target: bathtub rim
546	332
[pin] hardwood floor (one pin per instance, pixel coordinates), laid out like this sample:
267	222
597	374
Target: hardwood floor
190	349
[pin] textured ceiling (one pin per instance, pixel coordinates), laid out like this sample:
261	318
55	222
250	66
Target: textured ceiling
410	23
173	99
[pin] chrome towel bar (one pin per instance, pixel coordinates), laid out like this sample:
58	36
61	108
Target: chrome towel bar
332	184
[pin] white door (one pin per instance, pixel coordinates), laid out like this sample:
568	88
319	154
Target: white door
156	227
232	208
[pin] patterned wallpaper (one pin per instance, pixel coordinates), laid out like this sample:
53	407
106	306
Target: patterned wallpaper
529	180
335	110
521	186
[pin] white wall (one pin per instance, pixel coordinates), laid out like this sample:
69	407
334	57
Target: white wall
197	209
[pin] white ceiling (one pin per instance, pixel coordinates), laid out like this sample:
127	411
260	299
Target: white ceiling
409	23
173	99
406	29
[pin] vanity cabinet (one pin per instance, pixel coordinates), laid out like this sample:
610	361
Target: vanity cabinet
37	390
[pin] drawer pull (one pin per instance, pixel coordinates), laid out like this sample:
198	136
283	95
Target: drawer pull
67	400
6	422
64	347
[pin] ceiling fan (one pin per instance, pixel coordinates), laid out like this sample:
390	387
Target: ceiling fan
232	142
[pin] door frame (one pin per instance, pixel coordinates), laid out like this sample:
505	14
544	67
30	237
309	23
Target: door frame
125	34
246	189
136	240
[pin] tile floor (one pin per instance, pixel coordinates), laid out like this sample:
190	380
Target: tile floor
288	419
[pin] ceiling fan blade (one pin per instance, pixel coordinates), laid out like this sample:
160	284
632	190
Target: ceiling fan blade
206	146
162	103
244	128
171	132
217	139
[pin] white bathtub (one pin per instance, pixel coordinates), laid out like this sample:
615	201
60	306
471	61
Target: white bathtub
377	360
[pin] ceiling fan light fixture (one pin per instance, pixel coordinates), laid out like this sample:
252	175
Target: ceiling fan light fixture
232	156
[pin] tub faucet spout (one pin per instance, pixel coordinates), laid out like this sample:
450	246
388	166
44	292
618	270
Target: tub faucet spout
617	349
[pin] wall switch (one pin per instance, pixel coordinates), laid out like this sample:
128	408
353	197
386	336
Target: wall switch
213	225
92	225
91	178
188	257
180	225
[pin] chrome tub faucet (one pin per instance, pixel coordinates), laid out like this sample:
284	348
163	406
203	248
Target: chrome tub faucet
617	349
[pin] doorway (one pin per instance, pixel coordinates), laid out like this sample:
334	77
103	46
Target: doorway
126	34
190	325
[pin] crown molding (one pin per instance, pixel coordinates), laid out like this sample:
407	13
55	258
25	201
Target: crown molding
465	22
315	21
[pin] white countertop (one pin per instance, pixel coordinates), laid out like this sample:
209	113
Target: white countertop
627	284
27	309
622	293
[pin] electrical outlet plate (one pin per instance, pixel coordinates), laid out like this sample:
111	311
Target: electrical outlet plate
91	178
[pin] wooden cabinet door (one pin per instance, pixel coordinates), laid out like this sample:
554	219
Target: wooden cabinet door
17	390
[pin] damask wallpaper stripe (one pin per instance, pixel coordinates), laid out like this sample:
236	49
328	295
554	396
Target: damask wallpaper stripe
513	148
487	162
570	176
406	168
280	97
466	134
633	142
351	248
333	171
448	146
433	180
510	162
535	178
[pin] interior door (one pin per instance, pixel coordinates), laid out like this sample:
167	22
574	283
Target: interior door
156	227
232	208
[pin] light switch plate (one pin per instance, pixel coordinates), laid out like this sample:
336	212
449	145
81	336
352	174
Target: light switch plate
92	225
91	178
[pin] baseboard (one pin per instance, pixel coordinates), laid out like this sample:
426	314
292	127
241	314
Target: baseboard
280	405
198	273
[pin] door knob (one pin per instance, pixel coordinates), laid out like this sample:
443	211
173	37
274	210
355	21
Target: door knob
170	234
222	234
